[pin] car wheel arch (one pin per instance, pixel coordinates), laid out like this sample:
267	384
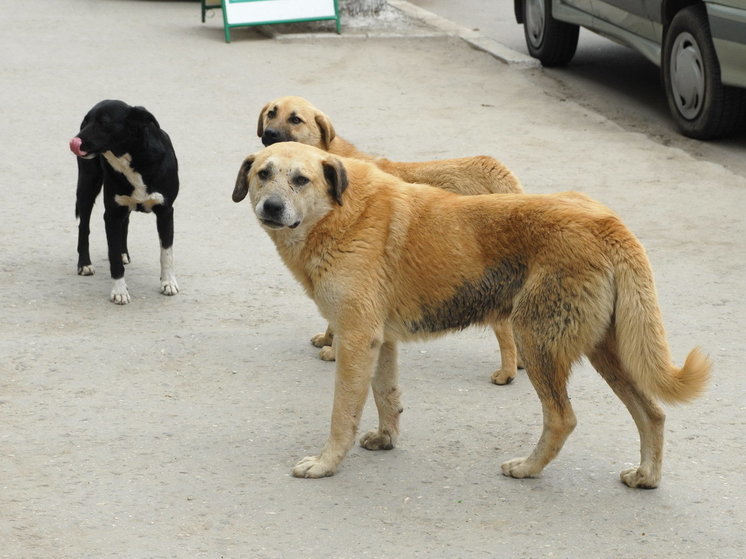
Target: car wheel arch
670	8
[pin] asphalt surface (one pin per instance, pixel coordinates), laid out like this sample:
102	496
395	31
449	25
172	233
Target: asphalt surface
603	76
169	427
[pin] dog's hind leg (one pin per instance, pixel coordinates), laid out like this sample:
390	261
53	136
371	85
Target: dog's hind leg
165	223
388	401
648	416
549	375
508	353
90	180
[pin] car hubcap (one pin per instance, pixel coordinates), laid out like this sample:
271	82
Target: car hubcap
535	22
687	76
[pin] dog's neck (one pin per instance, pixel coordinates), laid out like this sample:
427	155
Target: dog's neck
307	249
340	146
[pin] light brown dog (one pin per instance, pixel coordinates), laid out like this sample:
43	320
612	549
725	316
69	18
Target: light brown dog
387	261
295	119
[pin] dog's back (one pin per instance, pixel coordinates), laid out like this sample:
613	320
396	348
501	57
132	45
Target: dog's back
295	119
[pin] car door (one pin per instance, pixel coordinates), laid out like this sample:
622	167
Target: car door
582	5
632	16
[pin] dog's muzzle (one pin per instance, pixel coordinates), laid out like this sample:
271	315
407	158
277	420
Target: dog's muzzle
274	213
272	136
76	147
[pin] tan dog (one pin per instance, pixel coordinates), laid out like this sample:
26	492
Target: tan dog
387	261
294	119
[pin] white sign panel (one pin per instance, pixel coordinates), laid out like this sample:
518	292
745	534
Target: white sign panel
238	12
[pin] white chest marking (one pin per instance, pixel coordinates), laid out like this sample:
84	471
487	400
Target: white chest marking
139	194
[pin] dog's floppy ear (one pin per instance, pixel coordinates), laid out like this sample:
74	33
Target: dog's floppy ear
336	177
326	129
140	115
260	124
242	180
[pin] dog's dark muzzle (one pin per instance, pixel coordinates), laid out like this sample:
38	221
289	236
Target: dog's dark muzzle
272	136
76	146
271	212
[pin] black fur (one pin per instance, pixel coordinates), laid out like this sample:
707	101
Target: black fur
473	301
116	127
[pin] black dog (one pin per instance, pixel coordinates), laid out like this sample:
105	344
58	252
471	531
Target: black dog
124	149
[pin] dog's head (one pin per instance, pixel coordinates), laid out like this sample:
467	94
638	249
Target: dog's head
111	125
291	185
293	119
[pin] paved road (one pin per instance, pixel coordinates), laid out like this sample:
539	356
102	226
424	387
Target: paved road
169	427
604	76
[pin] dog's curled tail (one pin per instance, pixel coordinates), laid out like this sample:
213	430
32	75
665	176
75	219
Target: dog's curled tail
641	337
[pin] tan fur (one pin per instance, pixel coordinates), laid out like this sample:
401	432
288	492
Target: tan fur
296	119
386	261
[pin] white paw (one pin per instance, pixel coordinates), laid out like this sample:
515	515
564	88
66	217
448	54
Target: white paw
119	294
519	468
169	287
313	467
86	270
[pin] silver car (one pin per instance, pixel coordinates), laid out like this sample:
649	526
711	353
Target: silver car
700	46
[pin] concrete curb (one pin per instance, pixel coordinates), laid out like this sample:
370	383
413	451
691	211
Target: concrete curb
474	38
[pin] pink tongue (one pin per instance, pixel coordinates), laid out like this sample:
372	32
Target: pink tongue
75	147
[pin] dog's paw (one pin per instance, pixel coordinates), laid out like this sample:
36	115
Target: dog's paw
377	440
320	340
327	353
169	286
88	270
519	468
119	294
502	376
639	477
313	467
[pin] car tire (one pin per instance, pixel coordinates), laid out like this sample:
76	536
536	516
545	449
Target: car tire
701	105
550	41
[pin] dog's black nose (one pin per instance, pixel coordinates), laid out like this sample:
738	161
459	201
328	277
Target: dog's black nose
270	137
273	207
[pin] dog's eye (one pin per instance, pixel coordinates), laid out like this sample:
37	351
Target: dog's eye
272	114
295	120
300	180
263	174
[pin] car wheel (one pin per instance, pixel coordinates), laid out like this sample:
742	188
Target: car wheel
552	42
701	105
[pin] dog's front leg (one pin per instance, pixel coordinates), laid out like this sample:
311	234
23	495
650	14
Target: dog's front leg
114	217
356	357
125	234
165	222
90	181
388	401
